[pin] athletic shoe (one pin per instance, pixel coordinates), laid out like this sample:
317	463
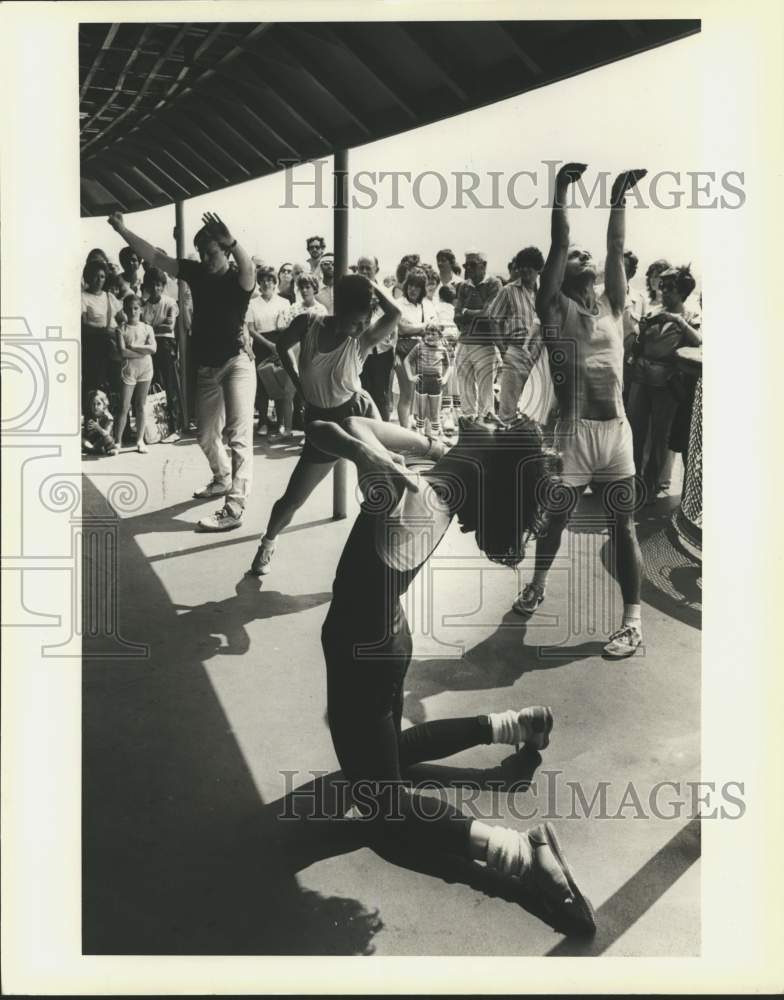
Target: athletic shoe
554	881
528	600
171	438
262	430
213	489
623	643
221	520
279	438
262	561
141	447
536	724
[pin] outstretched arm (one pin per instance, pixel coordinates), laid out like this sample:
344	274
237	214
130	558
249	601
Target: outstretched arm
144	249
555	266
614	273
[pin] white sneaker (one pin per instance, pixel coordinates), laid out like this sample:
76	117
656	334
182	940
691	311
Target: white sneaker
624	642
221	520
262	561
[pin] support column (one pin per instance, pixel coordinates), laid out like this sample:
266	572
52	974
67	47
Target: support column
340	239
182	329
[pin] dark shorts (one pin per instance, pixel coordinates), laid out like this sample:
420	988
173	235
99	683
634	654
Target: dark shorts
359	405
404	346
429	385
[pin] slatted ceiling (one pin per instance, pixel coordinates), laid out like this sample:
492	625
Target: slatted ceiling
170	111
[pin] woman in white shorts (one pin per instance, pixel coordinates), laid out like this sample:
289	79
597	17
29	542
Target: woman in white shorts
136	345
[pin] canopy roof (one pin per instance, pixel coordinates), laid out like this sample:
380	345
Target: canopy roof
171	111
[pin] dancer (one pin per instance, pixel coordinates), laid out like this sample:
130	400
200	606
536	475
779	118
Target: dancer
332	352
584	335
221	347
367	643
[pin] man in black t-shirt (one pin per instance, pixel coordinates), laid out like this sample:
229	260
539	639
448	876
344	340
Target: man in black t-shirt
226	373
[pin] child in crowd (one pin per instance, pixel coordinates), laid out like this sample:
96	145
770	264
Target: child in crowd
427	365
445	310
160	312
136	345
98	423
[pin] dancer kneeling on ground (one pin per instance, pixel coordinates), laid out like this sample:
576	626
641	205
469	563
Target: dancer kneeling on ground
332	352
490	480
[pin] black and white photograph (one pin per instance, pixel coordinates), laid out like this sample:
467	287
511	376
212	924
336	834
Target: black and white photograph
362	510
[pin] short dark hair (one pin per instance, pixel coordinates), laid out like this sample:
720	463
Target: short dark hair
315	239
203	237
529	257
655	269
415	278
450	256
353	294
307	281
125	253
154	276
409	261
92	267
631	258
92	255
266	272
683	278
447	294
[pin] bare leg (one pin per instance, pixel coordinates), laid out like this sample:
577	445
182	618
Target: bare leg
304	479
617	499
125	409
139	399
406	388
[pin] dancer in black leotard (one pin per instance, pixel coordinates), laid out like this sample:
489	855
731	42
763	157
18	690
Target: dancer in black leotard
490	481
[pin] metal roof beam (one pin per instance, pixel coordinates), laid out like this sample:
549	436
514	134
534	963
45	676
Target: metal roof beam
186	124
105	45
234	91
512	33
221	122
289	108
121	78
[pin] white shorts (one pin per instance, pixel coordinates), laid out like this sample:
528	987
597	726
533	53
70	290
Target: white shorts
598	450
136	370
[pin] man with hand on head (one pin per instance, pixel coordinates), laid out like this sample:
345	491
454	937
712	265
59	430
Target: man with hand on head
226	374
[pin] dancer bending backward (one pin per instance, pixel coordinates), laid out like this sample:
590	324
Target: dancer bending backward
332	352
584	336
489	480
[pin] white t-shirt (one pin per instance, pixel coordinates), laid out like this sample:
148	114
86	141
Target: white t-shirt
262	316
330	378
99	309
419	313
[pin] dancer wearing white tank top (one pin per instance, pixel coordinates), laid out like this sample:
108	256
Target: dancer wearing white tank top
584	336
332	352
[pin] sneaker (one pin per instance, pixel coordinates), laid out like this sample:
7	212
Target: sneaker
141	447
555	883
280	437
221	520
171	438
262	561
262	430
528	600
536	724
213	489
623	643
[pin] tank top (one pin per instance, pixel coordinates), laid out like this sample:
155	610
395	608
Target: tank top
588	368
329	378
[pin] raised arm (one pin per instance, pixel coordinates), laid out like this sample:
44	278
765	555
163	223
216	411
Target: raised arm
385	324
219	231
144	249
614	273
554	271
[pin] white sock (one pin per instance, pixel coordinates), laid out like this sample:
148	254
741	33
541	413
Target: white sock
632	615
506	727
268	543
508	851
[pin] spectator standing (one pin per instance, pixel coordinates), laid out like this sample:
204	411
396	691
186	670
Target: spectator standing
98	310
325	295
478	356
264	311
416	312
376	375
135	345
160	312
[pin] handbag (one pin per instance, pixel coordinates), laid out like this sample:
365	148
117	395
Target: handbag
275	380
157	419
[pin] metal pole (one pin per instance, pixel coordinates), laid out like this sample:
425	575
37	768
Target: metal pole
340	237
182	332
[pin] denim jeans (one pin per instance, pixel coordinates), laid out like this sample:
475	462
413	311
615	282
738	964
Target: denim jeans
224	400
